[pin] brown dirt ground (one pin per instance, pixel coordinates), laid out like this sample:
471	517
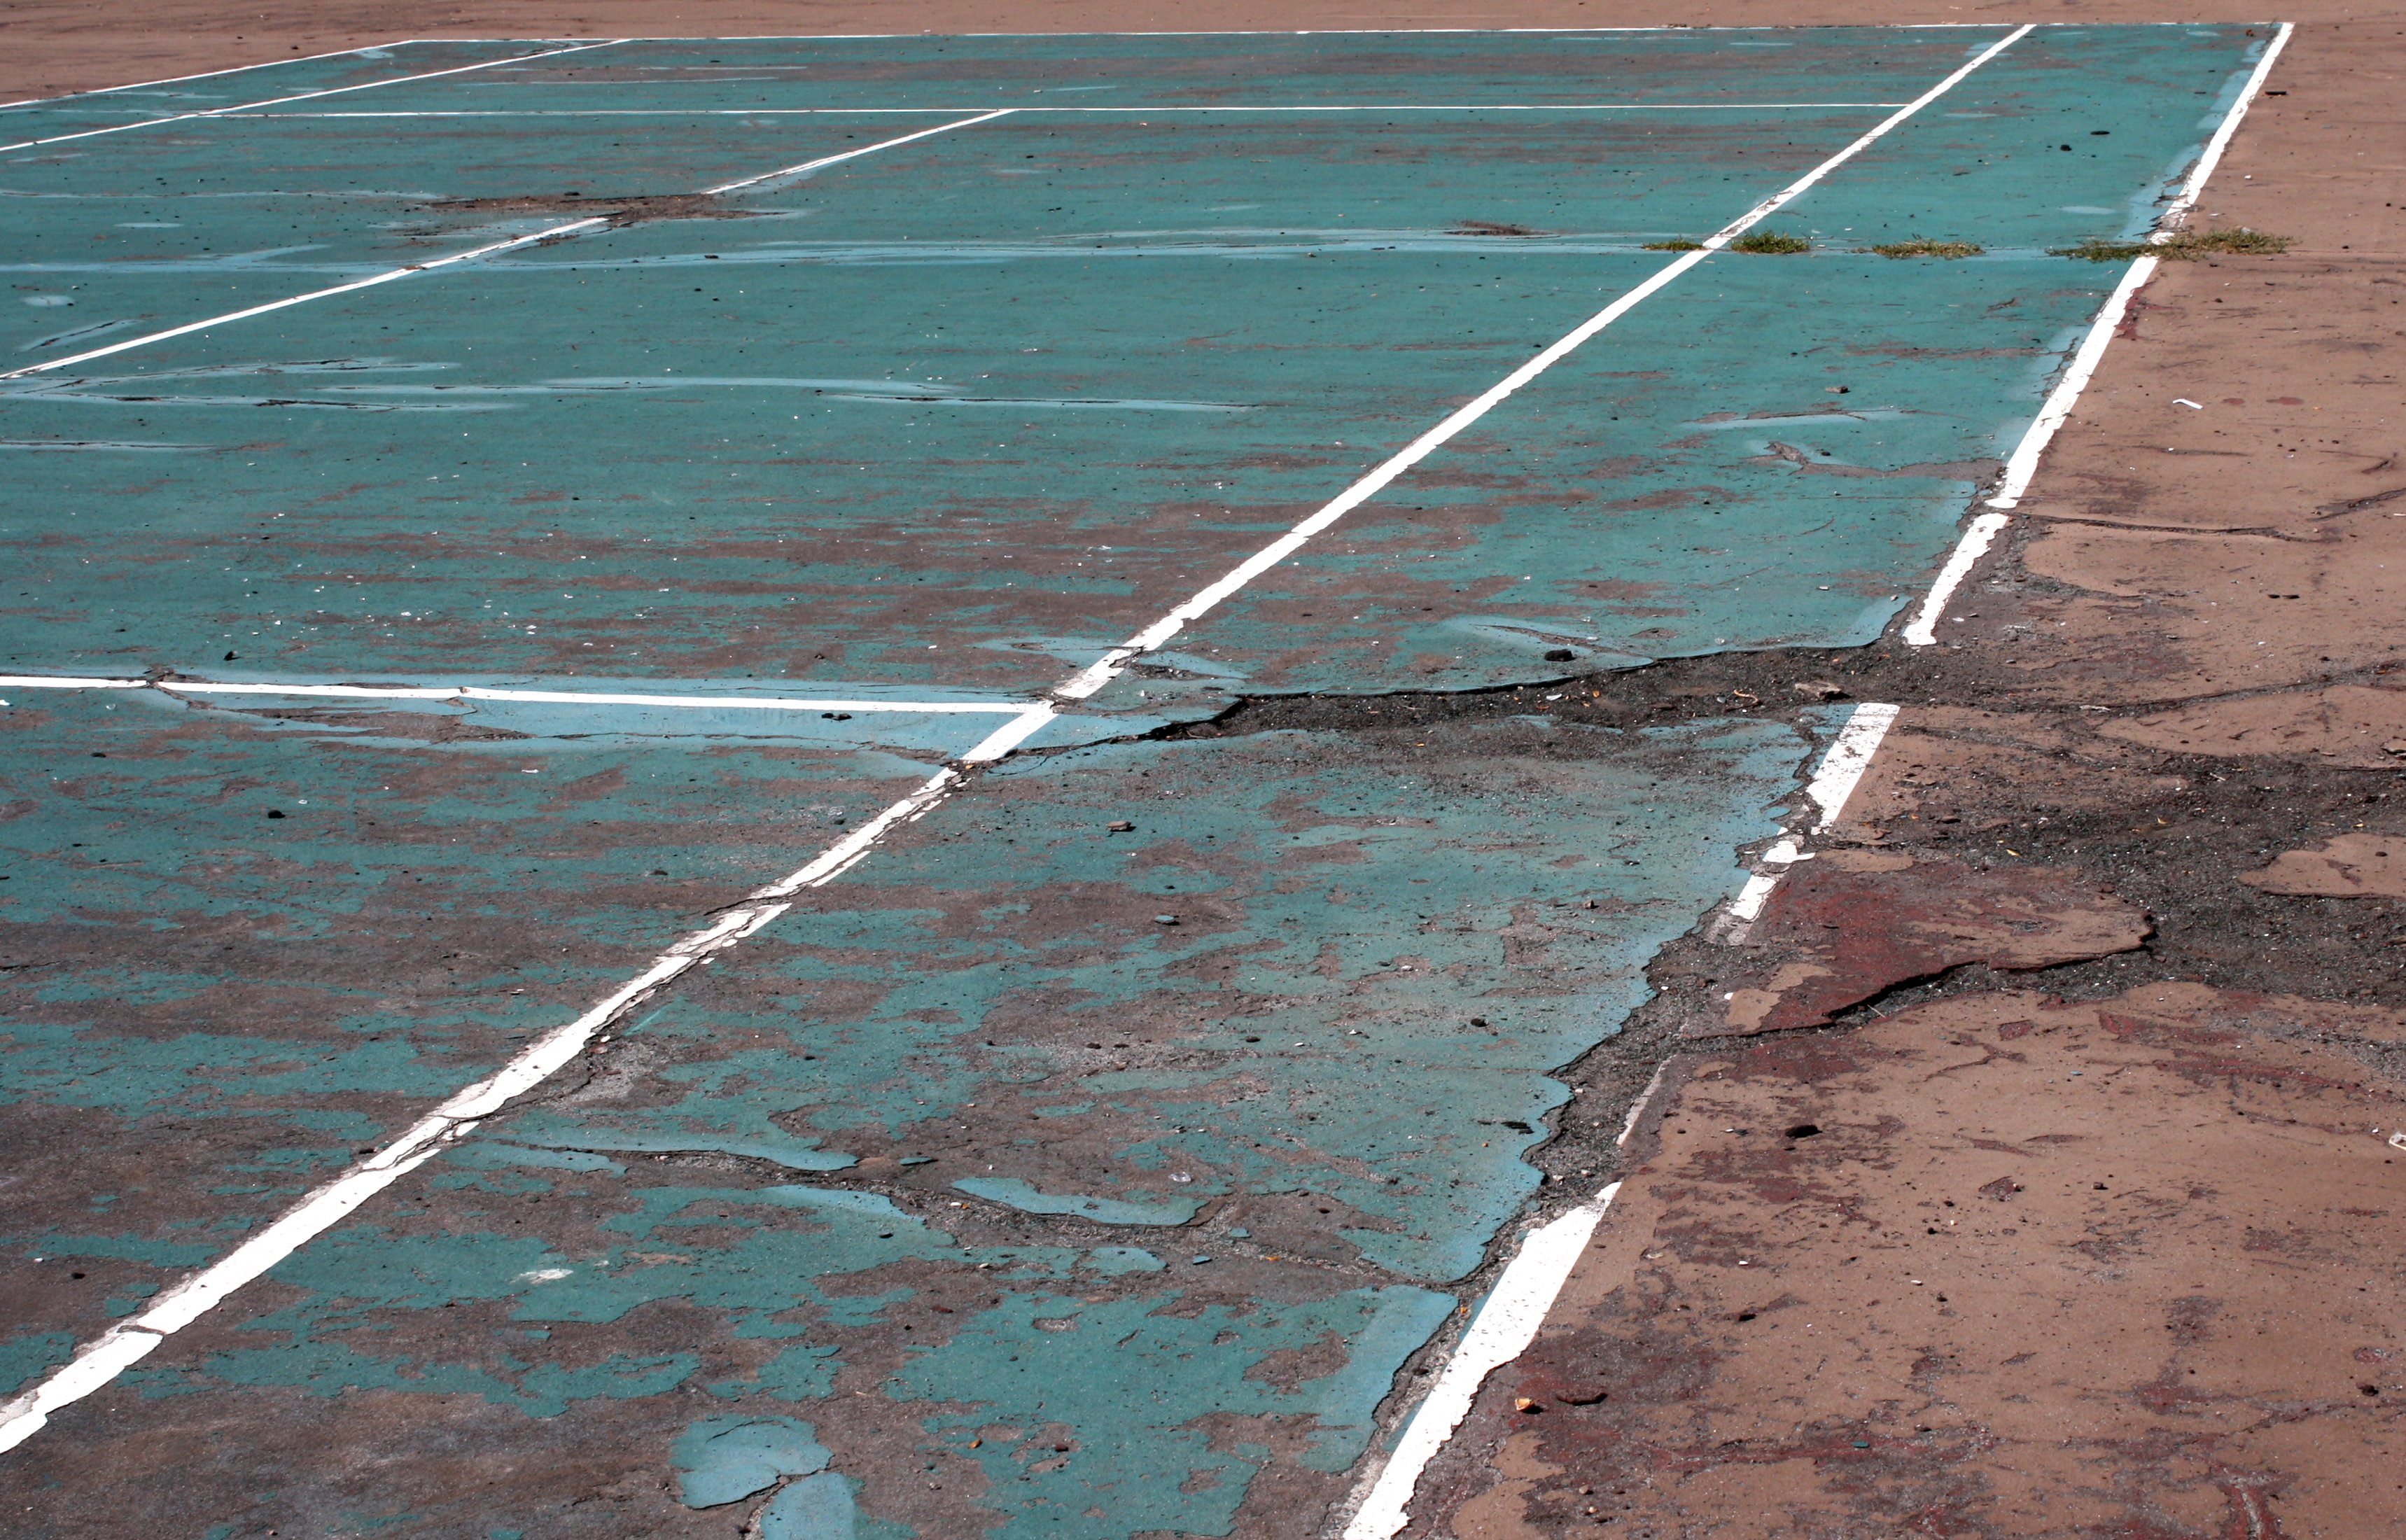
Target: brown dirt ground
2106	1248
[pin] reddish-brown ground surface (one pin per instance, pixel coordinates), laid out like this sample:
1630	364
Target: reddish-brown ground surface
2109	1248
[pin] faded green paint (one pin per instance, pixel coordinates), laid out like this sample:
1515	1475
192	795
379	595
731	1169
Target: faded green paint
1141	1209
1138	1385
723	1460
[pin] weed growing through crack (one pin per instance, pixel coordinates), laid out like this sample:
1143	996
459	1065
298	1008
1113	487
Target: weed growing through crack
2186	247
1678	243
1951	250
1763	243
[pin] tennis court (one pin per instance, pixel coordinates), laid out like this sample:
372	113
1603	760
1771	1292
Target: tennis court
636	896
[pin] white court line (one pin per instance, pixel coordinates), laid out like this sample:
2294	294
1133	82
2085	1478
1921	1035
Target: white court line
555	232
238	69
1842	769
1508	1322
303	96
484	692
1224	106
1113	663
1516	1306
121	1345
1922	631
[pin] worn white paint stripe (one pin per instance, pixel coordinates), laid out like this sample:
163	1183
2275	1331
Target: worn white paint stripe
1149	111
575	227
1506	1321
240	69
286	304
2212	156
1517	1306
1277	32
1537	1274
114	1350
59	682
1644	1099
1112	664
302	96
557	698
1922	631
1840	771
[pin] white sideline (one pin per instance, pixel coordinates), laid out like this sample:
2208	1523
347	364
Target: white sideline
1507	1320
1923	629
107	1355
485	692
1113	663
301	96
556	232
1842	769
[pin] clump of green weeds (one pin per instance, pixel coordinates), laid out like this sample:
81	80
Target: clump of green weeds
1764	242
1677	243
1951	250
2188	246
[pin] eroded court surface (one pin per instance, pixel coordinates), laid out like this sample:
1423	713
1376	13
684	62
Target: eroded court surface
1094	1156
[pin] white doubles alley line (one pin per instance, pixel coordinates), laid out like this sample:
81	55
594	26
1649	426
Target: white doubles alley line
575	227
1121	111
1923	630
1507	1320
109	1354
301	96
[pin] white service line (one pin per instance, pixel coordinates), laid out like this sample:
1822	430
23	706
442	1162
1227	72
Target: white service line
1283	32
1544	1262
1507	1319
575	227
301	96
855	154
1842	769
485	692
1922	631
1112	664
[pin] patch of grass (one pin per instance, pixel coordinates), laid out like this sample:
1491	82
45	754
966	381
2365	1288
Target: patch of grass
1677	243
1951	250
2188	246
1763	243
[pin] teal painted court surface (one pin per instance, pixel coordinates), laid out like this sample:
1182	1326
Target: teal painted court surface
1035	1178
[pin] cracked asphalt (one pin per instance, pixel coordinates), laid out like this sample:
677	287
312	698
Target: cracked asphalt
1118	1149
